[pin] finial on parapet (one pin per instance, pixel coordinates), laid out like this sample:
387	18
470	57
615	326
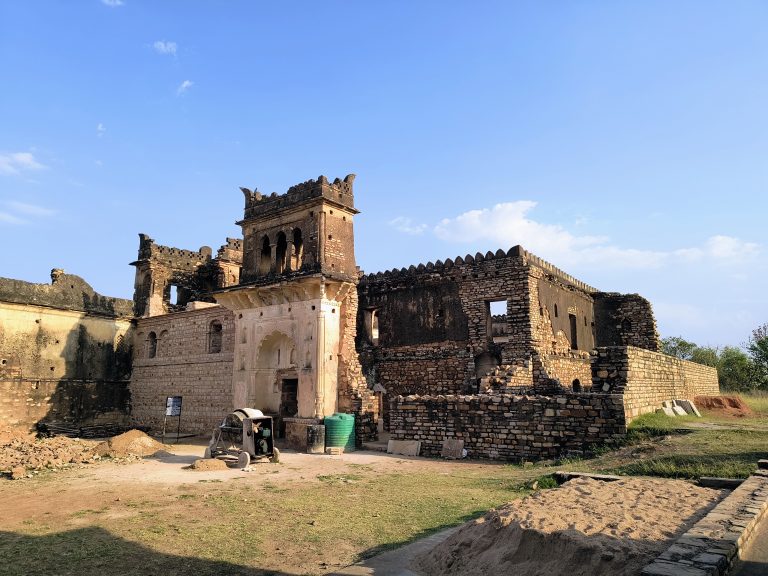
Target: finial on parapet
251	196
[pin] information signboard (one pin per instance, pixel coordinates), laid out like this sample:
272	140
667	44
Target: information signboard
173	406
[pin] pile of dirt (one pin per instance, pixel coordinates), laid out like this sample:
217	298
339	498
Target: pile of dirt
725	405
131	443
9	434
208	465
20	453
585	527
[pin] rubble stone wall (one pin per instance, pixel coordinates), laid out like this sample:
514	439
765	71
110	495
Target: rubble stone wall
507	427
646	378
183	366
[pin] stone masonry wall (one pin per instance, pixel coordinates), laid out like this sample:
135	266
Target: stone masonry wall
646	378
506	427
183	366
435	330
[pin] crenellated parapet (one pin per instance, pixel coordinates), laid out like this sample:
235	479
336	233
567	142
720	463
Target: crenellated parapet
232	251
258	205
169	256
453	266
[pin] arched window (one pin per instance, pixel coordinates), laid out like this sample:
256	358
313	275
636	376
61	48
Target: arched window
214	337
577	385
151	345
298	250
265	262
280	252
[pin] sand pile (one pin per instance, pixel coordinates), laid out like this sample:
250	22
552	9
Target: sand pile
131	443
20	453
727	405
208	464
585	527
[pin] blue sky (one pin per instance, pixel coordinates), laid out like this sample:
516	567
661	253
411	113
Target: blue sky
626	142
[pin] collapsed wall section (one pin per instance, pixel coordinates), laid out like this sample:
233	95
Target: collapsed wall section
507	427
625	320
186	354
645	378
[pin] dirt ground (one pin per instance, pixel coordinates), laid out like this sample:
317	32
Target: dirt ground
96	485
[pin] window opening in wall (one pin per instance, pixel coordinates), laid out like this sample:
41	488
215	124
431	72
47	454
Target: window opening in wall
174	295
214	337
298	250
265	262
574	332
280	252
577	385
496	320
555	310
372	326
152	345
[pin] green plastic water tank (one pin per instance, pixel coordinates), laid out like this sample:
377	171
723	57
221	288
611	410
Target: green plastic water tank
340	431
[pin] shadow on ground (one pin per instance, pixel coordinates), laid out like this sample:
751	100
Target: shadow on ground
94	551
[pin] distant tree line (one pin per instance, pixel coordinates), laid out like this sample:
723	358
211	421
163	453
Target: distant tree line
739	369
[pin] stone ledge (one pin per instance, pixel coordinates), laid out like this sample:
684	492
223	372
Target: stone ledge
714	543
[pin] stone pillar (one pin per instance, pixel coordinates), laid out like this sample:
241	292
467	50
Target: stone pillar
320	368
289	256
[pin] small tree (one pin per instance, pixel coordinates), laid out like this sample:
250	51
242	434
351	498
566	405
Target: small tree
706	355
735	370
758	352
678	347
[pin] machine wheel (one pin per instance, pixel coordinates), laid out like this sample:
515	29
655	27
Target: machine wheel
275	456
243	460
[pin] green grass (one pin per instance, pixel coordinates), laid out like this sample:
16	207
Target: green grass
250	527
683	447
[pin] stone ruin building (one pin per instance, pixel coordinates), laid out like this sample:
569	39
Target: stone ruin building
501	351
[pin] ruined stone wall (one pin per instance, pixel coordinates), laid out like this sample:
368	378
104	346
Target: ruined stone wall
567	368
646	378
506	427
194	274
625	320
354	396
436	332
65	353
184	365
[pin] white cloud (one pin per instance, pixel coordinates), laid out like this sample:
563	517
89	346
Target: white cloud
17	162
183	87
7	218
508	224
100	129
112	3
406	225
30	209
165	47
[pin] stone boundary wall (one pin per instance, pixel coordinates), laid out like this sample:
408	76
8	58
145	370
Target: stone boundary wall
507	427
714	544
646	378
